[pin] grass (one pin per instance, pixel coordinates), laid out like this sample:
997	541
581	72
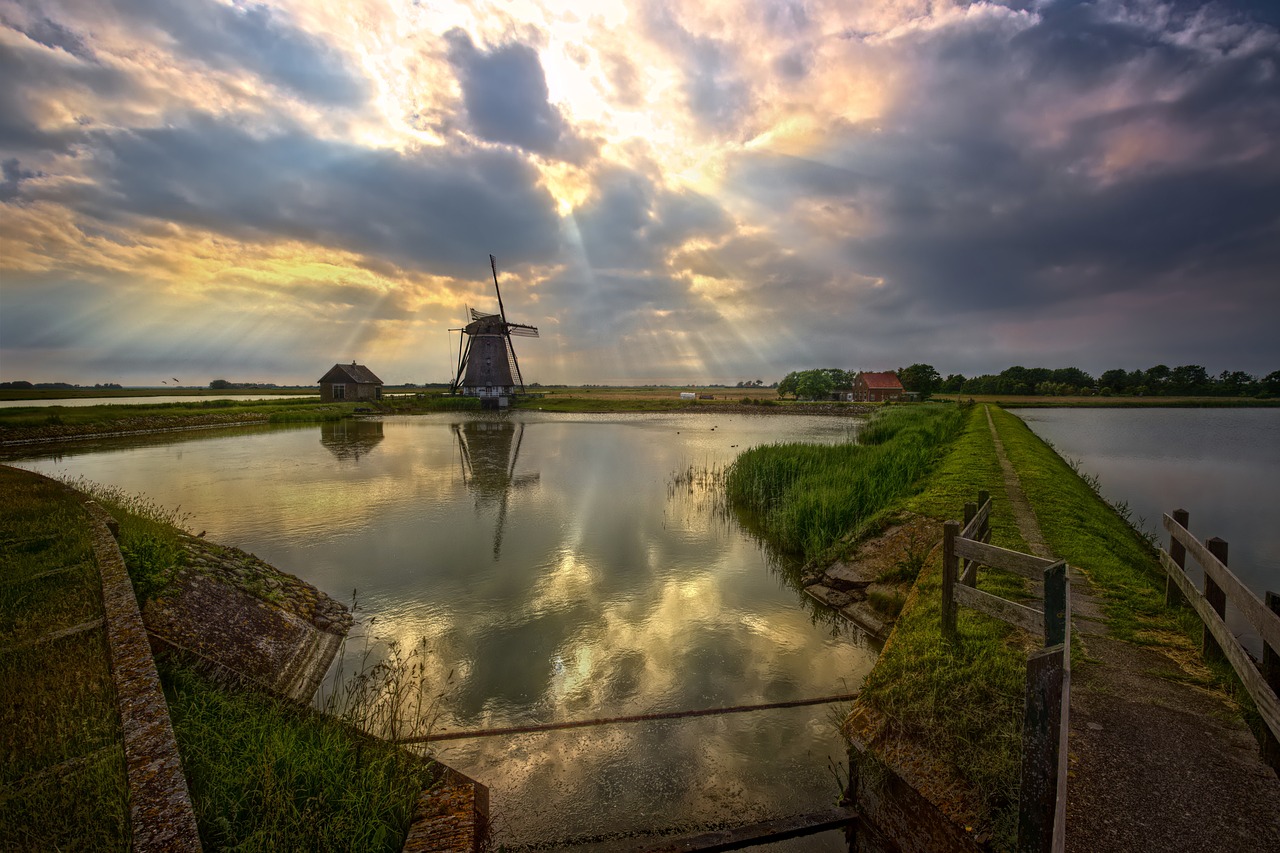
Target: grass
811	500
267	774
962	703
264	774
62	780
1081	528
150	536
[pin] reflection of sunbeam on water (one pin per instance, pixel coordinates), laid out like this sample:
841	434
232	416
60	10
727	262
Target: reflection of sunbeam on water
552	577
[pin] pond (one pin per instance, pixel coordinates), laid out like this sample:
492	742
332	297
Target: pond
557	569
1221	465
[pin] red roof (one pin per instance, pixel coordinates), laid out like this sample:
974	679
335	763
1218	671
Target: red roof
886	381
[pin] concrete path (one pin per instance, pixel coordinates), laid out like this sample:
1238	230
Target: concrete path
1156	763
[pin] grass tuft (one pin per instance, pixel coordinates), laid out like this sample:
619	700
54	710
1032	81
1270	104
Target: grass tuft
810	500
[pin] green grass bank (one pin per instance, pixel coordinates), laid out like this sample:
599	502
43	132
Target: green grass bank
62	769
957	708
264	774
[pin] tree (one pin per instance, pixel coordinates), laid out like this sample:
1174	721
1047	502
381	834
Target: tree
1073	377
1189	379
1157	378
1271	383
814	384
953	384
788	384
219	385
1236	383
921	378
1117	380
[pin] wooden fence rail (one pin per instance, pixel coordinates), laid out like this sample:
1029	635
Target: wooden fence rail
1221	585
1042	805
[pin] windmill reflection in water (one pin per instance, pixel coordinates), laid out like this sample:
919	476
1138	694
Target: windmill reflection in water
488	451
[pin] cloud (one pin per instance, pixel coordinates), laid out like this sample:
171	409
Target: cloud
1036	167
505	93
716	93
50	33
243	36
432	209
11	176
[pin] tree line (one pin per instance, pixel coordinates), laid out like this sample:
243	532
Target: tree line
1190	380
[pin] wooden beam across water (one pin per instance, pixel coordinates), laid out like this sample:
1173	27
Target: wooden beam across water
635	718
733	838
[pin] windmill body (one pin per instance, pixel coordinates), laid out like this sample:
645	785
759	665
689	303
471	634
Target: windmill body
487	364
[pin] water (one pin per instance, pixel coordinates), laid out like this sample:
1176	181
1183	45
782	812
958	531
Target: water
148	401
1221	465
556	572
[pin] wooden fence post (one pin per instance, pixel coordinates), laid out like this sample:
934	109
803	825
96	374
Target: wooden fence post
1178	553
1271	672
1042	721
949	574
1216	598
984	497
1055	604
970	510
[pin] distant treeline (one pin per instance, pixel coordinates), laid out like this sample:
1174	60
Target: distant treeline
1188	380
23	385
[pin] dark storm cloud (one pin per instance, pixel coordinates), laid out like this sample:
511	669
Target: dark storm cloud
52	34
505	92
30	77
631	224
242	36
433	209
11	176
977	207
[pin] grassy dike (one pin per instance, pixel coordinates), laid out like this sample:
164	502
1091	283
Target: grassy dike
956	710
52	423
264	774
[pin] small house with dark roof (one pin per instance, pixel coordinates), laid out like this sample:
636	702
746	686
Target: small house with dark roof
349	382
877	387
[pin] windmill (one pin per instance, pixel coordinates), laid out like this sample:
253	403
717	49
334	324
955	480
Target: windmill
487	365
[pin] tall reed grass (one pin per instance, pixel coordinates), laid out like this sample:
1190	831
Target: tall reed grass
806	499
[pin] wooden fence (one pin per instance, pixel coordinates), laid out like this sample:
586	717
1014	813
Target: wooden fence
1042	805
1220	584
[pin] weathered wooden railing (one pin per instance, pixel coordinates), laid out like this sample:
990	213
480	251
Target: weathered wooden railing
1221	584
1042	806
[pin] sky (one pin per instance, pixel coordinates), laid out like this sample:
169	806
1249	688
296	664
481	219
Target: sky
675	192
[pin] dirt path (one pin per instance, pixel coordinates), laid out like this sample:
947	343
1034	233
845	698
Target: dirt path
1156	763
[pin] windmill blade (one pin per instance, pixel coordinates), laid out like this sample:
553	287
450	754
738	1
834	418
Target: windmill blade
462	357
480	315
493	265
520	330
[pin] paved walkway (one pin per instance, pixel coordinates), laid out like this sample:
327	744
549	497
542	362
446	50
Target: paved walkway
1156	763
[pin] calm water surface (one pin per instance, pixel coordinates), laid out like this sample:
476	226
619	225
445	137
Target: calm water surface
556	572
1221	465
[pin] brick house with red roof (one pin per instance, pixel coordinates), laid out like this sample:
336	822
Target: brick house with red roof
877	387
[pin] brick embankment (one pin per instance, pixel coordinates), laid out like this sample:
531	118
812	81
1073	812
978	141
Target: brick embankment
160	810
1156	763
